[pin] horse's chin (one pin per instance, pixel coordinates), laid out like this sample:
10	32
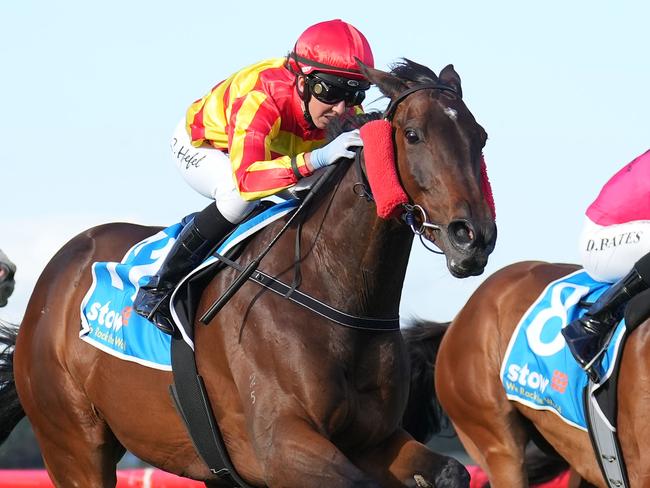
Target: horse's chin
463	261
466	266
462	265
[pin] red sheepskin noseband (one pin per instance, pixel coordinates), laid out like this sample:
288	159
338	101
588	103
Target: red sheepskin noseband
381	170
487	188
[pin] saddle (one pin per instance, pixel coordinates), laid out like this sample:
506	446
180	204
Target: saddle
638	310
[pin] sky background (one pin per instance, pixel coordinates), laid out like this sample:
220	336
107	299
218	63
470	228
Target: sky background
90	93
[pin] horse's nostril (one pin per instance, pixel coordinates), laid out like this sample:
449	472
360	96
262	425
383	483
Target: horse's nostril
461	233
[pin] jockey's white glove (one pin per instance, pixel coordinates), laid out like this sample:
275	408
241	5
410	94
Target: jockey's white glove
336	149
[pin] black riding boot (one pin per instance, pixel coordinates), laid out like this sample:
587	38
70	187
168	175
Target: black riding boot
192	246
588	336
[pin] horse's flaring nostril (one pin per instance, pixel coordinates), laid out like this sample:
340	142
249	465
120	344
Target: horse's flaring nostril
461	233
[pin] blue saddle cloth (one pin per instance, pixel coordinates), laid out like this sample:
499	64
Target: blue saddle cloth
538	369
107	318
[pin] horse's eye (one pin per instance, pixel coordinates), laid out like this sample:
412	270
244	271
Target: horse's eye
411	136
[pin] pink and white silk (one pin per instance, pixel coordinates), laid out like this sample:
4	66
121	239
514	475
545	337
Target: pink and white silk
616	231
626	196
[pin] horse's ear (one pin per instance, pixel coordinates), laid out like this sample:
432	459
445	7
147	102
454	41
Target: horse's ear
448	76
388	84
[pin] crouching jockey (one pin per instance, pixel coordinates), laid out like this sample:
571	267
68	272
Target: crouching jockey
615	247
255	134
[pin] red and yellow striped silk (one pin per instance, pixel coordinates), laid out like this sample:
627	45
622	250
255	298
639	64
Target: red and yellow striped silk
256	117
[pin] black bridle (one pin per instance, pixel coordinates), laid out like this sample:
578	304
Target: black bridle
414	215
392	106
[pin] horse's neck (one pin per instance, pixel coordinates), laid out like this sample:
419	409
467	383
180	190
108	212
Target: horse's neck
383	266
361	259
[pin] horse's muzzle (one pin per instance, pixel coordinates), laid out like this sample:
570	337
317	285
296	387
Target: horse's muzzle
468	246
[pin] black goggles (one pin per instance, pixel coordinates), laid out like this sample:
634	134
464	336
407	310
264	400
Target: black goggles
331	89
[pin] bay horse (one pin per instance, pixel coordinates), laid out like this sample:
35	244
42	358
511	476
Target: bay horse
424	416
495	430
300	401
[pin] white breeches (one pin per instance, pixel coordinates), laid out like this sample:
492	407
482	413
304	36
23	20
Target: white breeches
208	171
609	252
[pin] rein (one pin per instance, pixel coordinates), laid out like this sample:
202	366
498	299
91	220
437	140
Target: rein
291	292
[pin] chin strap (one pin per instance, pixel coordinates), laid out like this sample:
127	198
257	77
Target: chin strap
304	95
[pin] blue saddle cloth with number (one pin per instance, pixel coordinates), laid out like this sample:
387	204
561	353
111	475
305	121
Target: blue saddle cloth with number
107	318
538	369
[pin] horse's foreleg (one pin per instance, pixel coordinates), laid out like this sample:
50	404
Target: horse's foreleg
94	468
298	456
402	461
501	455
491	431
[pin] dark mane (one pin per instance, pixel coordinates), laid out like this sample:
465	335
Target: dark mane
424	416
347	123
411	71
406	70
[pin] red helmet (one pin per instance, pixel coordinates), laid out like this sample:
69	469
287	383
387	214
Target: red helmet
331	47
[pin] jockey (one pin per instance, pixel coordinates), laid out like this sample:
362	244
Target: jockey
255	134
615	248
7	271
